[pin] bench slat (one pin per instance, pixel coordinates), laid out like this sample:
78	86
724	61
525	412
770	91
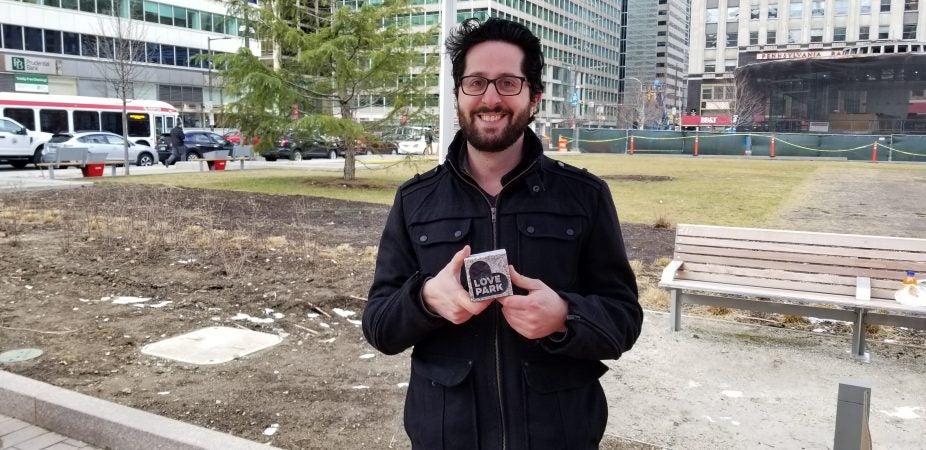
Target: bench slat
795	296
828	284
851	261
791	267
802	249
804	237
693	271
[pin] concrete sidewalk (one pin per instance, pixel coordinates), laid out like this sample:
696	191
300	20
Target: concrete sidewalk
82	421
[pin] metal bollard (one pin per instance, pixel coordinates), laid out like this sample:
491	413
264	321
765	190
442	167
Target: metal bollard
852	408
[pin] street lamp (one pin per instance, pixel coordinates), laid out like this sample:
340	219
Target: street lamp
642	100
209	52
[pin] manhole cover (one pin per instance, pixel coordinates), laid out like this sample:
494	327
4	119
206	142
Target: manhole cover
20	354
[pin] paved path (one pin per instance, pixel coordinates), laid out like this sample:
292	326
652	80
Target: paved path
18	435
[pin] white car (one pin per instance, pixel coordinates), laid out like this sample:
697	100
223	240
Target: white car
410	141
18	145
111	144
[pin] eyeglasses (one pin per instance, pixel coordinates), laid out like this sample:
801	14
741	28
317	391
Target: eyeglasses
506	86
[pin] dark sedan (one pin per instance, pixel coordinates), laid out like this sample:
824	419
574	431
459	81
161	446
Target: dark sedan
197	143
298	148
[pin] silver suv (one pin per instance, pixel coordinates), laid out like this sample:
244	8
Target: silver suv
111	144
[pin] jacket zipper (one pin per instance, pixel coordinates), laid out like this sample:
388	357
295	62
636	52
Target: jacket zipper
493	210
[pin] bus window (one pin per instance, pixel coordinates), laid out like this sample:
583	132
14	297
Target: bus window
168	121
21	115
86	121
53	120
159	124
139	125
112	122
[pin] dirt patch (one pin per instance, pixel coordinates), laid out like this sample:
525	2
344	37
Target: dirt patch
212	255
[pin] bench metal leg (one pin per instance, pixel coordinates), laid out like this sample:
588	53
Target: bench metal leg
114	169
675	309
51	172
858	336
242	164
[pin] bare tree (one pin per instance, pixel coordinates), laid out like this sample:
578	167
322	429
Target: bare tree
751	100
122	56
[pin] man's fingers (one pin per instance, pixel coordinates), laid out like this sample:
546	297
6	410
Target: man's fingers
522	281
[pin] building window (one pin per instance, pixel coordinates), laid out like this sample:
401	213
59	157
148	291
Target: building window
729	65
732	38
753	38
710	36
909	31
71	43
710	68
911	5
864	6
794	36
88	45
167	55
841	7
884	32
182	57
885	5
773	11
863	33
733	13
34	39
154	53
151	12
13	37
797	9
839	34
166	13
770	37
52	41
754	13
816	35
87	6
713	15
817	8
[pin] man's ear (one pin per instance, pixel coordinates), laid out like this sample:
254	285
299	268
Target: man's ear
535	102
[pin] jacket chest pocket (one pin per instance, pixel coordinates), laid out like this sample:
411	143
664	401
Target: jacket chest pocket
436	242
548	245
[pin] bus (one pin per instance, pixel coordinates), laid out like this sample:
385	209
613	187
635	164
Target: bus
45	115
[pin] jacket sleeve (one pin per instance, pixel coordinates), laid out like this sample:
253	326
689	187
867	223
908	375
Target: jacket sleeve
604	318
395	317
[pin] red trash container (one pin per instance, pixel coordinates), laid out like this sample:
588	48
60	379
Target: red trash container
92	170
218	164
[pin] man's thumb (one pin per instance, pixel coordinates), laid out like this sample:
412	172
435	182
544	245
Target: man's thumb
456	263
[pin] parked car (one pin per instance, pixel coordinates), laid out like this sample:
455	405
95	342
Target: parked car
111	144
197	143
19	145
235	138
410	140
385	144
297	148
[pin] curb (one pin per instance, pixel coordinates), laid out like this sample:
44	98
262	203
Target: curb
102	423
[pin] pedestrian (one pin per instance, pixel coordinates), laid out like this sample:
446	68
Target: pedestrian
428	140
520	371
177	148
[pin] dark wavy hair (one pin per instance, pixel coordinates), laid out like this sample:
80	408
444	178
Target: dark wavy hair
471	32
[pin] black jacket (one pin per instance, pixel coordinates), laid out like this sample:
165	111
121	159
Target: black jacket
480	384
176	137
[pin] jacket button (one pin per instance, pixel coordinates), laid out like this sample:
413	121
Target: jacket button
530	230
423	238
561	164
570	231
457	233
536	188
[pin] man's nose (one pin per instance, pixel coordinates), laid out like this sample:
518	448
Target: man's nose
491	96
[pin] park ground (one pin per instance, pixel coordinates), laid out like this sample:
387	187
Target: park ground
206	256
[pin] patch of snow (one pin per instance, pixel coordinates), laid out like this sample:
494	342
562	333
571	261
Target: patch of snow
127	300
819	330
324	325
312	315
164	393
272	429
904	412
693	384
160	304
732	394
343	312
327	341
367	356
243	316
356	323
360	386
402	385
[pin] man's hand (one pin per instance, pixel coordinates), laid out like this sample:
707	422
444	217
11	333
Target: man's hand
538	314
445	296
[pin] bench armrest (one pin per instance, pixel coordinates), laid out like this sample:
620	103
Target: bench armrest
668	274
863	288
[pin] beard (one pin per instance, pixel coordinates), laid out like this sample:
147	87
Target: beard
496	141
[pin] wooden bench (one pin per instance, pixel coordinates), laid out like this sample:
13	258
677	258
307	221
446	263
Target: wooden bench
214	160
844	277
242	154
78	157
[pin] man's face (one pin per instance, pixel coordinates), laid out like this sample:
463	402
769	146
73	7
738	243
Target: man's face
493	122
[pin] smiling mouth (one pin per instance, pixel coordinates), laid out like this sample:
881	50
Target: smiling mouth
490	117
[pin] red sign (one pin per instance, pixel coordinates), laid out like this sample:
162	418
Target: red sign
706	121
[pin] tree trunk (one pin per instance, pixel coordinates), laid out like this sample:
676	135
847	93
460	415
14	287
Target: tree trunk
349	165
125	133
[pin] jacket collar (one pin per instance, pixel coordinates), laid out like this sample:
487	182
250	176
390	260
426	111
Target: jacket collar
533	150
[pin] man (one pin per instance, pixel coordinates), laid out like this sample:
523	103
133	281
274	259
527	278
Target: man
428	141
178	149
520	371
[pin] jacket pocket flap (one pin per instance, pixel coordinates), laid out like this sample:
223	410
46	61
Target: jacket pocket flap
441	370
547	226
547	378
441	232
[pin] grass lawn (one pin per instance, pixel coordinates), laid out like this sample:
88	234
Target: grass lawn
646	189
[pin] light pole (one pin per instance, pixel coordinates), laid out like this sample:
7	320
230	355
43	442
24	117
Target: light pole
209	52
642	100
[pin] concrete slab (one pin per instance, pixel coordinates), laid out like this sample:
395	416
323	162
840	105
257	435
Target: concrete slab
212	345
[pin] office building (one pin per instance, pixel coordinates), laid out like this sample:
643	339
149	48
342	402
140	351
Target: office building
60	47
